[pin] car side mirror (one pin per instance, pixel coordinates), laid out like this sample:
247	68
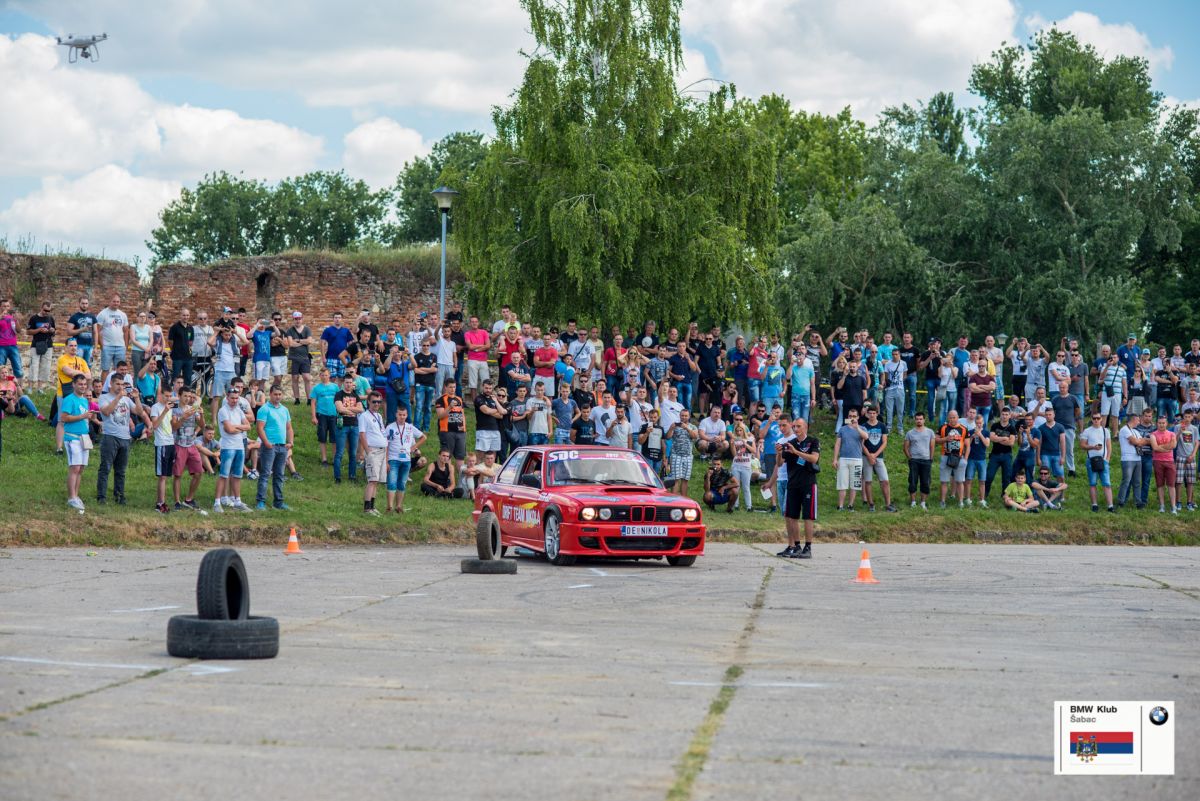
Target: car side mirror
531	480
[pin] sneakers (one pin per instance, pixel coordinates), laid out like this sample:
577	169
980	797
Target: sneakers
970	502
252	475
179	507
217	506
373	512
961	505
241	507
850	508
261	506
76	504
297	477
1162	509
161	508
1191	507
871	507
282	507
788	552
943	504
891	507
1174	511
803	553
1112	510
926	507
191	505
1095	508
913	504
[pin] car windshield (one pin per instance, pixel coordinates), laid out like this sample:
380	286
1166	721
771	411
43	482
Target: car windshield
600	467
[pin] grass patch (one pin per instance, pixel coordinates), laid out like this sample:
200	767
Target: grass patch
419	262
33	508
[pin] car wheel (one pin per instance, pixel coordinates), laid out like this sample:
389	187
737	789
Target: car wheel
193	637
487	536
222	590
488	566
553	542
681	561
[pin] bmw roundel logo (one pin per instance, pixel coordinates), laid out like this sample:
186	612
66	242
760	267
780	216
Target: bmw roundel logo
1158	715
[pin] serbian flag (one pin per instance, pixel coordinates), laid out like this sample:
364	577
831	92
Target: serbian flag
1102	742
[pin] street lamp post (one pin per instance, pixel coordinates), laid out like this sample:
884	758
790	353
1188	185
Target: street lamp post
445	196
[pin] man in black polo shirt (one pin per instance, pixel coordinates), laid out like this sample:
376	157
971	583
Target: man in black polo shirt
179	341
801	456
708	356
931	362
910	355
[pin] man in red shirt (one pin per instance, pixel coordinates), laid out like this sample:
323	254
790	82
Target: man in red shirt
245	352
1162	446
544	359
478	342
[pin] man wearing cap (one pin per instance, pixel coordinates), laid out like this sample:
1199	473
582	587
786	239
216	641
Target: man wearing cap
1128	354
298	338
930	362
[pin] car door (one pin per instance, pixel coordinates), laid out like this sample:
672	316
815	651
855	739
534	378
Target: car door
521	514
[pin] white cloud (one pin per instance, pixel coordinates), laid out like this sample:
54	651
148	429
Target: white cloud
867	54
67	120
696	77
456	56
108	209
1110	39
377	150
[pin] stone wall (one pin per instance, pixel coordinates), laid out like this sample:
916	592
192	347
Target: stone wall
315	284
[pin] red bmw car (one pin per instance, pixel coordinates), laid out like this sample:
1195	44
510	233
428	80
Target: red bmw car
568	501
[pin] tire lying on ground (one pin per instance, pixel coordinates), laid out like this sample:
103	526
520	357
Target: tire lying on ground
222	590
193	637
489	566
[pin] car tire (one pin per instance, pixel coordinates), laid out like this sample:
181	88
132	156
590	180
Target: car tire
489	567
193	637
222	590
552	541
681	561
487	536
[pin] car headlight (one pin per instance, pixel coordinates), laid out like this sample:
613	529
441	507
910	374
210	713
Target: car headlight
606	514
677	514
587	513
690	514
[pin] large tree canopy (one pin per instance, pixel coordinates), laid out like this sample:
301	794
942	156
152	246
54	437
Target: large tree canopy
607	195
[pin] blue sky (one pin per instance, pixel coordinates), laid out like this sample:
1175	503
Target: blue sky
274	88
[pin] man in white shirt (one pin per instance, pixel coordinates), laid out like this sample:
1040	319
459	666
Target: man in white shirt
1096	441
1130	442
372	442
619	430
232	425
714	438
402	439
111	334
447	358
603	416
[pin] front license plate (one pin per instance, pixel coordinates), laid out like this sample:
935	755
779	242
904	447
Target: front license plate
643	531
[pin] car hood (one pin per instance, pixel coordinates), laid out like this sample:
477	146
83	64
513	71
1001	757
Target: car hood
624	495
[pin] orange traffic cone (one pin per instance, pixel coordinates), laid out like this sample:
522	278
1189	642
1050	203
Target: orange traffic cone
865	576
293	545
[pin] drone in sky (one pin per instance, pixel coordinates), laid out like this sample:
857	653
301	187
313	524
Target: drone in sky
82	46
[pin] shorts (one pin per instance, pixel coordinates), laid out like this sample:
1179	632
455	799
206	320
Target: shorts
976	469
487	441
335	367
869	471
849	474
455	442
946	474
232	462
326	428
220	385
397	476
1102	477
262	370
188	458
477	372
279	365
300	366
376	464
1164	474
1185	472
1110	406
719	498
164	460
801	503
110	355
77	455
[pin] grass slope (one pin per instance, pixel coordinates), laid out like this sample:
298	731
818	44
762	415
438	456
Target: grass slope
33	509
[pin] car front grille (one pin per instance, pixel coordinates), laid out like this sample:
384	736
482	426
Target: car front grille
641	543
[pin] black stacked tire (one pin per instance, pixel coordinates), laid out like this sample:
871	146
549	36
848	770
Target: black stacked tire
192	637
489	567
222	590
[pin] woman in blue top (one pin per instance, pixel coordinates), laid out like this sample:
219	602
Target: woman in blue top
391	378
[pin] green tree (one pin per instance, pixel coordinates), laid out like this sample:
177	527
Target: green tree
227	215
451	162
223	216
607	195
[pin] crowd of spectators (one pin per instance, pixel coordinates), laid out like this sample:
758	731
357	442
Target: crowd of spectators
209	396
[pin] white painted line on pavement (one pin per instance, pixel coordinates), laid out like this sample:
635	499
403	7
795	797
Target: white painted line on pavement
411	595
208	670
146	609
597	571
57	663
578	586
